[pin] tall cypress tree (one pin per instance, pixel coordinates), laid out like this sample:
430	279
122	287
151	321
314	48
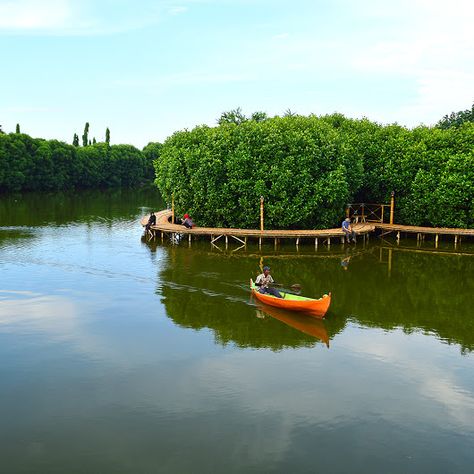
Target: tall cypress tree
85	136
75	140
18	128
94	141
107	136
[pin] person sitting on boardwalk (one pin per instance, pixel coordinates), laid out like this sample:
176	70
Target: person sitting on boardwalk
265	279
188	222
151	221
349	233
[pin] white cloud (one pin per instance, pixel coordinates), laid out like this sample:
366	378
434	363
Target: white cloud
432	44
35	15
177	10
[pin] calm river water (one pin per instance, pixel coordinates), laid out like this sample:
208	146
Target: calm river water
122	356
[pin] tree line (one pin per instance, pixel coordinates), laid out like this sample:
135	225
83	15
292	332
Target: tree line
35	164
308	168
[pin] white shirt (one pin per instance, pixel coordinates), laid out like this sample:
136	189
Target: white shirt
263	280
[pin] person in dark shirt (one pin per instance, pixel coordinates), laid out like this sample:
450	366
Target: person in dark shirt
188	222
151	221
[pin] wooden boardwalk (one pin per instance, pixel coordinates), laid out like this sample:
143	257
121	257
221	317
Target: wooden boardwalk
421	232
164	227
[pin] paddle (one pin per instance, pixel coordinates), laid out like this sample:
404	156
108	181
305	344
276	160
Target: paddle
294	287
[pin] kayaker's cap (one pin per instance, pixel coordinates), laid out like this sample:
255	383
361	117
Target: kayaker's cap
347	219
186	216
265	268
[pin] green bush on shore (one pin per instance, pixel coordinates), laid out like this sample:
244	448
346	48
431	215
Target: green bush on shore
309	168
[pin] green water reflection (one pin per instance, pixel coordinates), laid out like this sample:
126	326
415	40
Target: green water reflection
121	355
420	291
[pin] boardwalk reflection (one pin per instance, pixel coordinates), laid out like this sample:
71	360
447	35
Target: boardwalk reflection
301	322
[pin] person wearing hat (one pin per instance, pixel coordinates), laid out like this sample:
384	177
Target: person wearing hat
349	233
188	222
264	280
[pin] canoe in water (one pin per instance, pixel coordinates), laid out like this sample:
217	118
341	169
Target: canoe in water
290	302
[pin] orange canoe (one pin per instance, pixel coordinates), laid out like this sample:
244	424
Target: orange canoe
290	302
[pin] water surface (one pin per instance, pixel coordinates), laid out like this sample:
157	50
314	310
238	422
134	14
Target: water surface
120	355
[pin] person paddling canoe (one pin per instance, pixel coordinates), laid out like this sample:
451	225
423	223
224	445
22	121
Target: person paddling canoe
264	280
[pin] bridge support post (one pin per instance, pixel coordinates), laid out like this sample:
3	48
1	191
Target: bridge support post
392	206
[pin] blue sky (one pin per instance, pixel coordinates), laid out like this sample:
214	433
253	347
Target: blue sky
148	68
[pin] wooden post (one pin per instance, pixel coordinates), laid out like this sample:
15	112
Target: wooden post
398	237
392	206
172	208
381	217
436	241
245	238
226	241
390	262
261	213
455	241
316	243
362	206
259	243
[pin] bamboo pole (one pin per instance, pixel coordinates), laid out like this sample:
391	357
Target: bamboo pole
172	208
261	213
392	206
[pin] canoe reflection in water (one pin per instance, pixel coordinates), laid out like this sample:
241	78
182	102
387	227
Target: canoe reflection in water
310	326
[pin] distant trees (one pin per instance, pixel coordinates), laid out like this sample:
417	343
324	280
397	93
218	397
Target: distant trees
107	136
28	163
455	119
85	135
17	128
237	117
75	140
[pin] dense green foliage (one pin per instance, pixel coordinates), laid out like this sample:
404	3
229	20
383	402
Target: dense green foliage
309	168
28	163
455	119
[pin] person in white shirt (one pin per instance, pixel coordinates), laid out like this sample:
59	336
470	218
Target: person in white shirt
264	280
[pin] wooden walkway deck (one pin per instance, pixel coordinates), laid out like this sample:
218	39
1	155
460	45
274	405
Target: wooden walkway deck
421	232
163	226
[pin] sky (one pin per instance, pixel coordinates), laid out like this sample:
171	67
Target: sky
146	69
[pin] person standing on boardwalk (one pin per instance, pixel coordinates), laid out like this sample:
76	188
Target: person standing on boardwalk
349	232
264	280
